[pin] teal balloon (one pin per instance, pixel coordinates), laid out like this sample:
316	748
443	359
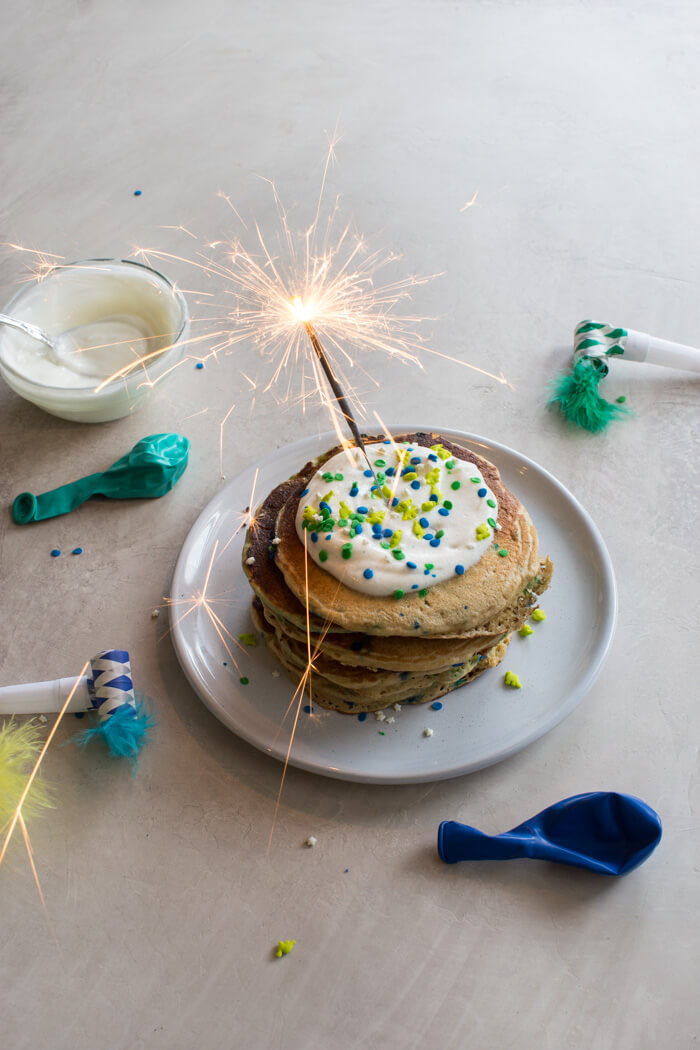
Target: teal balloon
153	466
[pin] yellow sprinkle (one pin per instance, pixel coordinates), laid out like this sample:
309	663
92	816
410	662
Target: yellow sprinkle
525	630
428	506
512	680
396	538
418	530
345	511
327	496
309	513
410	513
436	492
482	531
386	492
284	948
539	615
433	476
411	476
374	517
442	452
248	638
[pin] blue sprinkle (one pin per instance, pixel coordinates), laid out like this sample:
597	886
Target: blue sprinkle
329	536
459	569
414	586
307	709
426	572
368	574
423	522
387	533
137	193
368	473
437	706
358	529
346	871
415	484
481	492
444	512
435	576
377	529
434	498
362	510
431	455
411	565
428	536
416	460
435	543
458	665
354	490
390	472
324	506
395	501
387	441
362	717
55	553
416	624
305	492
77	550
225	664
406	470
314	537
200	365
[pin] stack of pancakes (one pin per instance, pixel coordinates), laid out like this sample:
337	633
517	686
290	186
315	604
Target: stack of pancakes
369	652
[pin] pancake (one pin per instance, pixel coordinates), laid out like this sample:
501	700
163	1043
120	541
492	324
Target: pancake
452	608
372	650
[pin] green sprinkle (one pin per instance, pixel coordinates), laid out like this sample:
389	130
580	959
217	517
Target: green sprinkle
450	464
342	522
323	555
475	480
439	534
538	616
447	504
456	485
490	503
491	522
512	680
347	552
422	593
337	477
244	681
621	399
398	593
503	553
384	544
248	638
327	476
399	555
525	630
429	565
381	732
380	462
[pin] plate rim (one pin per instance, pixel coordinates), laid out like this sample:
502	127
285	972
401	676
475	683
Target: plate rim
428	775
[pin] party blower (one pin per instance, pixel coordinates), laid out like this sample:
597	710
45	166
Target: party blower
595	343
601	831
123	721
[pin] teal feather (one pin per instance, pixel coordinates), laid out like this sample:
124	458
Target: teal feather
576	394
124	733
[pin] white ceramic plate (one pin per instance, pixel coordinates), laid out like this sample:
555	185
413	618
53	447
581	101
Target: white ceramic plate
480	723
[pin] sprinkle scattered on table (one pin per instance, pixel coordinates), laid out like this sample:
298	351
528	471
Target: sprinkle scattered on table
284	948
55	553
244	680
525	630
137	193
512	680
248	638
200	365
77	550
538	616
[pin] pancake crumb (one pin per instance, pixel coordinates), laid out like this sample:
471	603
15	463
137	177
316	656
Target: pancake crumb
427	732
155	614
311	842
250	561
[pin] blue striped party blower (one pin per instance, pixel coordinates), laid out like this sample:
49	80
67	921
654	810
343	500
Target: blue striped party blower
122	720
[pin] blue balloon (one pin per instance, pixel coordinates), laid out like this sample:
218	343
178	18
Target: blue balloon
602	831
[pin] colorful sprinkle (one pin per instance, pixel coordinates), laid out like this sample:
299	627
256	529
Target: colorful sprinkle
490	503
621	399
244	680
415	484
481	492
512	680
137	193
362	717
482	531
443	512
77	550
503	553
411	565
248	638
284	948
456	485
423	592
337	477
55	553
200	365
368	574
539	615
368	473
437	706
323	555
398	593
459	569
525	630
